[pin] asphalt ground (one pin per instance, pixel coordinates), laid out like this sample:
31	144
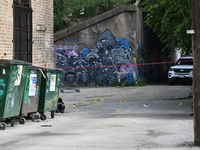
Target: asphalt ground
153	117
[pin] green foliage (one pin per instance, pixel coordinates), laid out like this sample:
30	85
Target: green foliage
142	82
129	83
169	20
66	12
116	82
130	2
100	84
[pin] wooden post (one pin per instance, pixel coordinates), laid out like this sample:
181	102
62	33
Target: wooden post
195	6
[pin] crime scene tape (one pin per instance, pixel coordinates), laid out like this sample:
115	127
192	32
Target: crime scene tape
141	64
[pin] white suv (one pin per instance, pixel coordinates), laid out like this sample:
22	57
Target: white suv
181	71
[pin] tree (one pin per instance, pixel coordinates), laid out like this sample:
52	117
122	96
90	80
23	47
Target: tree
169	20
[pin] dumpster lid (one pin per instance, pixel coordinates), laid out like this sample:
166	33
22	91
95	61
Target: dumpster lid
54	69
13	61
35	67
45	69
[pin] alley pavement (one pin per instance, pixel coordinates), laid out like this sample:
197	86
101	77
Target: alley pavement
153	117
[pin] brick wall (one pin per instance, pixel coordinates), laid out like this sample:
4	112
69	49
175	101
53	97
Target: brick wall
6	29
43	49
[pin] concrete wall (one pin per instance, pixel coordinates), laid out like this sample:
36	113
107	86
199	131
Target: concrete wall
101	49
43	47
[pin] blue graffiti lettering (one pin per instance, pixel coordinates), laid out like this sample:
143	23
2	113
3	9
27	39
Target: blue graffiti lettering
109	51
75	39
124	43
84	52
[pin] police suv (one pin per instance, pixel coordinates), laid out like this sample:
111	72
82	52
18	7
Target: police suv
181	71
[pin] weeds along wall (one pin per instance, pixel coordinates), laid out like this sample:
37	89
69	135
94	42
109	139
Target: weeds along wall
102	49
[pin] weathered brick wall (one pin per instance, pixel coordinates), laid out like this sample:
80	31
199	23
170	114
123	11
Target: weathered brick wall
6	29
43	47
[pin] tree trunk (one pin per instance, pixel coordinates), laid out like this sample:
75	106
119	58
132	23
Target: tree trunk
195	4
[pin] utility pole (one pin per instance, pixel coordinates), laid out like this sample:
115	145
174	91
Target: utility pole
195	6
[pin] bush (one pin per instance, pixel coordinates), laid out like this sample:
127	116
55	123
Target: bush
67	12
116	82
100	84
141	82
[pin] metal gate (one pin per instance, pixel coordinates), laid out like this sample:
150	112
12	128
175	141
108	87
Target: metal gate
22	39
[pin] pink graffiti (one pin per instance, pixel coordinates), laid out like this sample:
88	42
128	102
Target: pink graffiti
71	53
128	68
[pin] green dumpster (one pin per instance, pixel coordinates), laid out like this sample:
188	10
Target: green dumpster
12	81
49	92
31	94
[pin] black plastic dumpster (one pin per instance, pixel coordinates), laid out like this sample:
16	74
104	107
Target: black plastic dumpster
12	81
31	94
49	92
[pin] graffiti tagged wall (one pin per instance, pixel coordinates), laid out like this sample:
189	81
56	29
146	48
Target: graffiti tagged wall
111	58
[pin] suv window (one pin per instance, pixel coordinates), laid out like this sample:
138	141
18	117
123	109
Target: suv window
184	62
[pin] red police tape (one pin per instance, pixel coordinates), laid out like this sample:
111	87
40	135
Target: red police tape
141	64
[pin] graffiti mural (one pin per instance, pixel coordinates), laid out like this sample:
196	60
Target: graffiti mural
110	59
